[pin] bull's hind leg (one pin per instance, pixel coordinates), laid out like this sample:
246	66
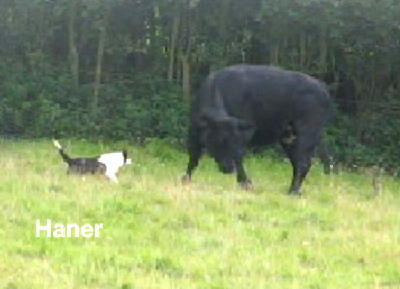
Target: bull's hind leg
300	153
195	152
289	149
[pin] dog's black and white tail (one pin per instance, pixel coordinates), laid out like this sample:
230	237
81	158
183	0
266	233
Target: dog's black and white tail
64	156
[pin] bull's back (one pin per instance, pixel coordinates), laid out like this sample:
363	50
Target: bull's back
268	97
258	93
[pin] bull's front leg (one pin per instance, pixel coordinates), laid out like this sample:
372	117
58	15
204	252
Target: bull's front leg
195	152
241	176
193	163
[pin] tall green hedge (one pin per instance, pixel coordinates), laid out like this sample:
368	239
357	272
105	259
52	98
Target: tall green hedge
154	53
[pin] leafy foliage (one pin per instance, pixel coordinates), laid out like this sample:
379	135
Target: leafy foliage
61	75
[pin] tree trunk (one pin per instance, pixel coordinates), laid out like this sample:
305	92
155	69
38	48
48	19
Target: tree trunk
73	51
185	76
186	43
274	53
174	39
323	51
99	66
303	50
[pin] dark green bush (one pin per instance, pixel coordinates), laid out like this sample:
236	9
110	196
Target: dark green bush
374	141
134	109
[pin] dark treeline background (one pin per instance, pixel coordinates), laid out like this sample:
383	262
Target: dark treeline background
126	69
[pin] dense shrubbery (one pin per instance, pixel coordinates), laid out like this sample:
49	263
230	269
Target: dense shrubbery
124	69
145	107
133	109
377	145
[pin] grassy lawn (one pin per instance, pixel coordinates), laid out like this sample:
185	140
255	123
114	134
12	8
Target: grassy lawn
209	235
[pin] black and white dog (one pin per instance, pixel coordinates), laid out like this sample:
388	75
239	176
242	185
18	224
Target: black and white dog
106	164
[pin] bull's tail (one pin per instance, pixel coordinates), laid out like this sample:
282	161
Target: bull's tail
64	156
326	157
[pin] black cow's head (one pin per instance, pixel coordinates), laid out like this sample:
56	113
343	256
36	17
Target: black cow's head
225	138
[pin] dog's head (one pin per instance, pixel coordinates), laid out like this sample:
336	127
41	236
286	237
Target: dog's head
115	160
127	161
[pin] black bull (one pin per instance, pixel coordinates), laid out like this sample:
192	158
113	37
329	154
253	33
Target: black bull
251	105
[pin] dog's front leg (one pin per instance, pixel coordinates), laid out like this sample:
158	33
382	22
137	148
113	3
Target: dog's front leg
112	177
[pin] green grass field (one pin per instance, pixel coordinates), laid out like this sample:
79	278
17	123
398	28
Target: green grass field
209	235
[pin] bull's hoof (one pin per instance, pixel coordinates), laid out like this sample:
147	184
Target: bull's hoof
186	179
246	185
294	193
